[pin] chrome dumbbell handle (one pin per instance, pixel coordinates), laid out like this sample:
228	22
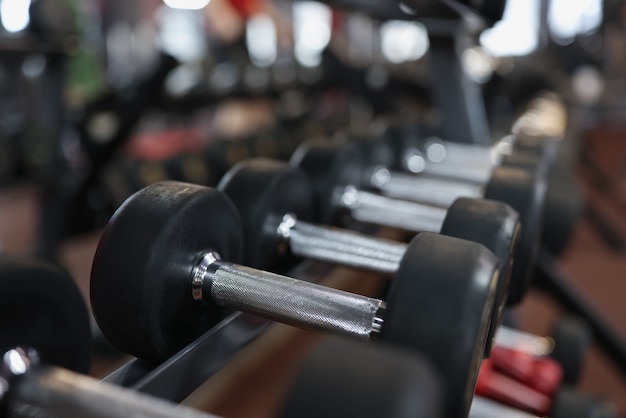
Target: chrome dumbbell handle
433	191
381	210
472	163
284	299
340	246
476	173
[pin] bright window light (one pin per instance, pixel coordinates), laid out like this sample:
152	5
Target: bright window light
403	41
568	18
517	33
181	34
187	4
14	14
261	40
312	31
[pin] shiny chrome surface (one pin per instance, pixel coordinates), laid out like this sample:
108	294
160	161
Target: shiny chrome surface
292	301
429	190
340	246
382	210
200	272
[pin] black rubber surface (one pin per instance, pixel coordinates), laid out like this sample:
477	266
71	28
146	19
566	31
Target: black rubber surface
564	207
440	304
331	166
525	162
42	308
341	378
524	191
570	403
496	226
264	190
572	341
141	274
545	149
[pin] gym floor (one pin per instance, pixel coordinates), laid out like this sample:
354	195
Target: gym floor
598	270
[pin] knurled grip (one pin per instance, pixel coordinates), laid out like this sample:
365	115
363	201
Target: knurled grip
292	301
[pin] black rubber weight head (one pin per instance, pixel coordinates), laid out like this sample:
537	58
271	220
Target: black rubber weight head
343	378
141	274
264	190
570	403
544	148
331	166
525	162
564	207
496	226
42	308
524	191
572	341
440	304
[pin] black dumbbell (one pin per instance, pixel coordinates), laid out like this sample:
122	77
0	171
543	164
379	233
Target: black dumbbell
474	164
165	271
276	204
338	171
47	299
45	344
342	378
571	403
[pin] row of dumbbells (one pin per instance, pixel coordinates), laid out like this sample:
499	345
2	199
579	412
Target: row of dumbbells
45	341
26	289
444	301
169	227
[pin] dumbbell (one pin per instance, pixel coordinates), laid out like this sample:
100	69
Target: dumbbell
338	170
276	201
30	386
47	299
164	272
45	344
342	378
399	149
563	201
